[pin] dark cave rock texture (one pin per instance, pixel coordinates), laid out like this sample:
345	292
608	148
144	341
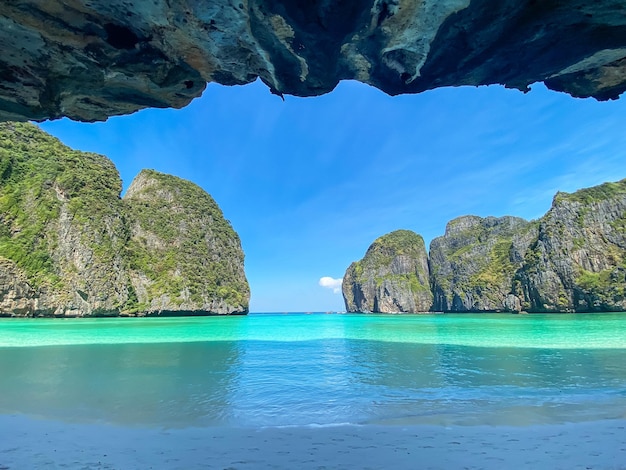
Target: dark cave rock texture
91	59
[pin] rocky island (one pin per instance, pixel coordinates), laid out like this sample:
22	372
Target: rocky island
573	259
392	277
71	246
183	255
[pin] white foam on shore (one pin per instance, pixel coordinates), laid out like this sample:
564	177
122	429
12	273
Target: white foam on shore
34	444
312	426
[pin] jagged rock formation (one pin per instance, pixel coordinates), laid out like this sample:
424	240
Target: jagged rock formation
573	259
92	59
68	244
473	264
185	257
578	262
392	277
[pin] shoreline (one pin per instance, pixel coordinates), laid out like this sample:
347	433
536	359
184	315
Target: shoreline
27	442
204	314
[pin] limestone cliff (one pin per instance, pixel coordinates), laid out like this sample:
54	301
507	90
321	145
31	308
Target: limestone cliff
92	59
66	241
392	277
573	259
60	226
472	266
578	261
185	257
17	296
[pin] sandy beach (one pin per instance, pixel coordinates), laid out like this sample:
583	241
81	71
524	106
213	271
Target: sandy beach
27	443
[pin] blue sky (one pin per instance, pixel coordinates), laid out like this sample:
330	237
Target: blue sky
309	183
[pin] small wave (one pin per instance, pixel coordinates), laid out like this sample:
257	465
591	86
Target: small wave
312	426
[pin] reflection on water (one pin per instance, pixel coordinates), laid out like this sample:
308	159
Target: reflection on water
172	384
319	370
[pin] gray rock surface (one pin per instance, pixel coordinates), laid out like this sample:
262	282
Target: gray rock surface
392	277
90	59
17	297
472	266
573	259
578	262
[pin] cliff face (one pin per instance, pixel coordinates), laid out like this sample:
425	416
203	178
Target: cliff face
16	294
573	259
472	266
185	257
66	244
92	59
392	276
61	229
578	262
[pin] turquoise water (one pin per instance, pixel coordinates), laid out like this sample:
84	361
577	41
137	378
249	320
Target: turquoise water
296	369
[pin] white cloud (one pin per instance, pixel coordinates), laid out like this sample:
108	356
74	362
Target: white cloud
330	283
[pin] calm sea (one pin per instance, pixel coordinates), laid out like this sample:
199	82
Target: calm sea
297	369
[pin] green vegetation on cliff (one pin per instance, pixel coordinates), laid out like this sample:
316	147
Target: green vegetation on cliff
384	249
182	243
473	264
573	259
607	286
578	260
398	242
391	277
38	175
594	194
82	250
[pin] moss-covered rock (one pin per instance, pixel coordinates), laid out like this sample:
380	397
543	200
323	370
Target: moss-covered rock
473	265
391	278
578	262
68	244
61	224
184	256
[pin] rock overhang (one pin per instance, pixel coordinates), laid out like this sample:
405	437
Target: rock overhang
91	59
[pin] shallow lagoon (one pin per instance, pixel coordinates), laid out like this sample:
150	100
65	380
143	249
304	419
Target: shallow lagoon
296	369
